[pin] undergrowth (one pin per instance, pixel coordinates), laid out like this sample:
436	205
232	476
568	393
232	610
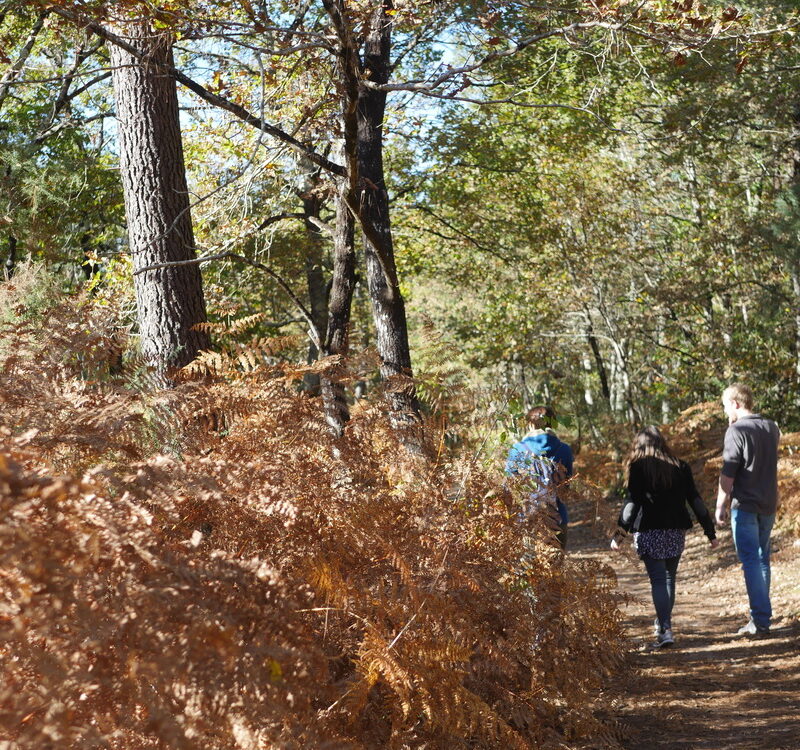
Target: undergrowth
167	582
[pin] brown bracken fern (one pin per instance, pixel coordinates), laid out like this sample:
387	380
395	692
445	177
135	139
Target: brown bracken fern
209	568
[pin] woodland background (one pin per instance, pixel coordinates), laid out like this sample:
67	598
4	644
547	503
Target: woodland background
256	501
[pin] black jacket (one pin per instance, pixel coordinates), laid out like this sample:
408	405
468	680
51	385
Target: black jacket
647	507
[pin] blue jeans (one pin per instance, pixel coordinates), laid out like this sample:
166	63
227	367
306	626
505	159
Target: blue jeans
662	584
563	514
751	538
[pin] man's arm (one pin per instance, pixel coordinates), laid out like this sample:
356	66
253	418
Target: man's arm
732	456
723	499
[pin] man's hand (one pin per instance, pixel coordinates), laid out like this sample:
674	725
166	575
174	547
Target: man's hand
723	499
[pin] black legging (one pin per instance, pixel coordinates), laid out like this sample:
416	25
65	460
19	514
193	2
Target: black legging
662	583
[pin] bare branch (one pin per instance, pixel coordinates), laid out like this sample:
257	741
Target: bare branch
279	217
524	105
50	132
301	14
422	85
458	232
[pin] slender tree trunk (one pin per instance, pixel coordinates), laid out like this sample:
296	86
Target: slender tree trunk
11	258
315	280
388	306
661	339
365	188
794	266
588	396
169	300
598	360
339	306
795	276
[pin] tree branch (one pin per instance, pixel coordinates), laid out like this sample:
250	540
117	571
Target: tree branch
14	70
214	99
421	85
458	232
64	124
279	217
524	105
314	332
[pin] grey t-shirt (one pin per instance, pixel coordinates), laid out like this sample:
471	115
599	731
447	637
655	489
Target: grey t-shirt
750	457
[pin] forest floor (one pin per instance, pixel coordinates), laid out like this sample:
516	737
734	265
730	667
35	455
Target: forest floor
713	690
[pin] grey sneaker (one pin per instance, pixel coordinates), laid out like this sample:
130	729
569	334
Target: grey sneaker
656	628
665	639
752	629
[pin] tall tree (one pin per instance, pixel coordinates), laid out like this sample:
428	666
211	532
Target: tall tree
339	307
170	300
363	111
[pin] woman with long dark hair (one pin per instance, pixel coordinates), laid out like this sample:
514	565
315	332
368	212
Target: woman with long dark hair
660	486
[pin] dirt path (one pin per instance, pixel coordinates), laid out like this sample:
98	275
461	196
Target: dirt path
713	690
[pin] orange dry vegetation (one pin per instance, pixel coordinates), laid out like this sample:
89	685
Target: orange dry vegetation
209	568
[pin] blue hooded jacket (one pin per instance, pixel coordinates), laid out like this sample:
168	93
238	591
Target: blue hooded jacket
540	443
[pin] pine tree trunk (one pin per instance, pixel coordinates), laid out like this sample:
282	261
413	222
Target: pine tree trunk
169	300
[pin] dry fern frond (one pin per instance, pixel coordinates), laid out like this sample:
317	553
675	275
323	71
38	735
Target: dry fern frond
209	567
233	328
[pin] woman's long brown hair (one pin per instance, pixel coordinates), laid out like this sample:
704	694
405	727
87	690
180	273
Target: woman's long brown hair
650	443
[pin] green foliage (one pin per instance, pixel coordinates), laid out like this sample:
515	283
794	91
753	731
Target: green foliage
638	223
60	195
31	292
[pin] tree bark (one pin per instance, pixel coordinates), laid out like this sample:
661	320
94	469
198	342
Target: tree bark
339	306
598	361
169	301
315	280
365	188
11	258
794	264
388	306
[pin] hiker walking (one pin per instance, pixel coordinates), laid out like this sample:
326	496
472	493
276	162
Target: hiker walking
748	485
546	462
660	486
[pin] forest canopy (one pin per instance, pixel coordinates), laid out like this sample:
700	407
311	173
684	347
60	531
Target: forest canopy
594	203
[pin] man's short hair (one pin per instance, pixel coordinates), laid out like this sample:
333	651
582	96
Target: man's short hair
541	416
740	393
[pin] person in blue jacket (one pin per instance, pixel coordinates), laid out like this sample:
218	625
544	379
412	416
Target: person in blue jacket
546	460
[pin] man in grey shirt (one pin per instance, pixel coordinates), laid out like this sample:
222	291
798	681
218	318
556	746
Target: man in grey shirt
748	484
